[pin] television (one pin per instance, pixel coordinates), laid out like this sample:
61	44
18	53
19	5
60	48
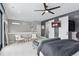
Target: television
71	26
56	24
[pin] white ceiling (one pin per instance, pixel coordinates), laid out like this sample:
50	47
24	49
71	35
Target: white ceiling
25	11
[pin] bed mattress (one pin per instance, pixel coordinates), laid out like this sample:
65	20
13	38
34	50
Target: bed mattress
59	48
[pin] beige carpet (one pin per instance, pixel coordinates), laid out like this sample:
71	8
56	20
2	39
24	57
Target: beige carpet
19	49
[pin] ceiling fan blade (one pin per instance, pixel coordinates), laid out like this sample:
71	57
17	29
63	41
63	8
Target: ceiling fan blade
54	8
51	12
39	10
45	5
43	13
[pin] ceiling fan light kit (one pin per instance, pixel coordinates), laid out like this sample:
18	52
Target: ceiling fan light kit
46	10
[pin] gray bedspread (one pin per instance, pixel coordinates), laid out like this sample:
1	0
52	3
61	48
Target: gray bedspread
59	47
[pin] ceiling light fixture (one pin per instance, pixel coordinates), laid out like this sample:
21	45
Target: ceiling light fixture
16	23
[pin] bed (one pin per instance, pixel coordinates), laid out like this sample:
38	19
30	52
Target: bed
57	47
47	47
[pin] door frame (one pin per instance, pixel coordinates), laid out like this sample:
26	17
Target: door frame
1	29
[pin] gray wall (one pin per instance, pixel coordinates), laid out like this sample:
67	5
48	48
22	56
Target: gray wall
77	25
23	26
75	17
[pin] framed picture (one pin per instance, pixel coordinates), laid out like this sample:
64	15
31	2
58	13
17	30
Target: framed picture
56	24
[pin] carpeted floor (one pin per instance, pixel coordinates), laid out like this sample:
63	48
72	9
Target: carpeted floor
19	49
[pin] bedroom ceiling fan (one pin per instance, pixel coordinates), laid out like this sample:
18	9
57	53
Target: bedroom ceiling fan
46	10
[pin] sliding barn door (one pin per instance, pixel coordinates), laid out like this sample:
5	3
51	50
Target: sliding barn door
51	30
63	30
